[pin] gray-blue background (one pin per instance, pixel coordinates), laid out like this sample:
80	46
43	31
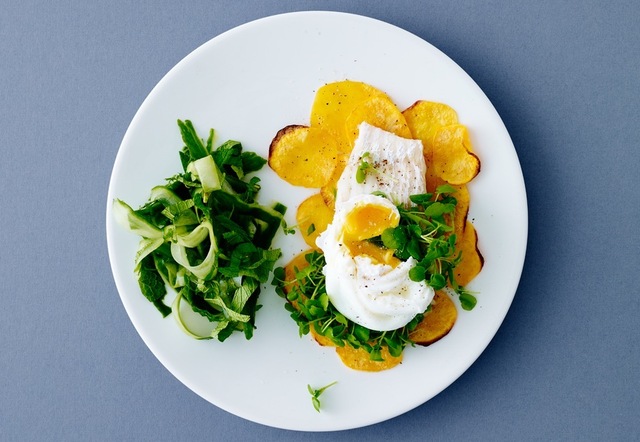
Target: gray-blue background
565	78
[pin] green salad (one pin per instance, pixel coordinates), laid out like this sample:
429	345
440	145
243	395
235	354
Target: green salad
204	235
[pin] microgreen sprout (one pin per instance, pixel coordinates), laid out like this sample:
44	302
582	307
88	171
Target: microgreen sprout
363	168
315	394
288	230
467	299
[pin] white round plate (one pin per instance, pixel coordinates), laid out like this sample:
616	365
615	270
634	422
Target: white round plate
247	84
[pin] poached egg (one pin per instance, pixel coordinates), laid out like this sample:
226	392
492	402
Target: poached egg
364	281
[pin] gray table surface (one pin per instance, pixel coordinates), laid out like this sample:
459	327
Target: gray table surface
565	78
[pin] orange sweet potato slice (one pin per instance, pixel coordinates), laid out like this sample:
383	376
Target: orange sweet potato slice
438	322
359	359
303	156
472	260
334	102
432	180
313	217
380	112
452	156
299	262
462	209
329	190
425	117
320	339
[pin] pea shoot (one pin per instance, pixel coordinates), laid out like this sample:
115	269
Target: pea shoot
315	394
286	229
364	167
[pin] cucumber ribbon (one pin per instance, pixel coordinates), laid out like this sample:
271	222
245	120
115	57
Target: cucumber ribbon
179	236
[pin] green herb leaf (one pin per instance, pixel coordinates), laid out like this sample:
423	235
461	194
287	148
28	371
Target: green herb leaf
311	229
417	273
467	300
391	240
437	209
150	282
421	199
437	281
445	189
252	162
192	141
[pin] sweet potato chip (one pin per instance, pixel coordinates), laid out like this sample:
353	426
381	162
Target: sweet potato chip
303	156
432	180
462	209
328	193
298	263
313	217
334	102
437	322
359	359
472	260
329	190
380	112
425	117
453	159
320	339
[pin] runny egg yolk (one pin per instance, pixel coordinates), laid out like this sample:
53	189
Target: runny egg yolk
367	221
